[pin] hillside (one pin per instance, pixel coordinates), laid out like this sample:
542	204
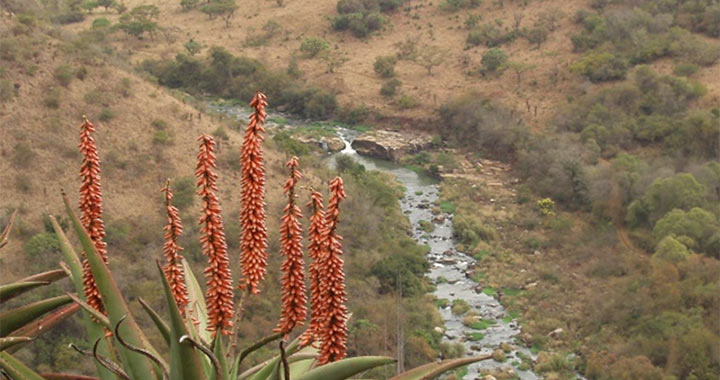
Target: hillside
274	35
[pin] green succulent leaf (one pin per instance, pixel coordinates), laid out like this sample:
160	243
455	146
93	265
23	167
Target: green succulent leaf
15	289
94	330
47	322
161	325
66	376
14	319
433	370
346	368
100	317
196	307
49	276
10	341
137	365
184	359
16	369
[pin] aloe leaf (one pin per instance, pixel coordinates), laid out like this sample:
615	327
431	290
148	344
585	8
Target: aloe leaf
433	370
66	376
267	370
196	307
16	369
138	366
6	231
161	325
10	341
184	360
219	351
94	330
346	368
49	276
14	319
100	317
15	289
47	322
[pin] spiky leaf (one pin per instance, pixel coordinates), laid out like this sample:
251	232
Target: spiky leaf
346	368
184	359
16	369
433	370
47	322
138	366
161	325
16	318
10	341
15	289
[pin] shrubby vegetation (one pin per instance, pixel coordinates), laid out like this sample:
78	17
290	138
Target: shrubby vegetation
362	17
223	74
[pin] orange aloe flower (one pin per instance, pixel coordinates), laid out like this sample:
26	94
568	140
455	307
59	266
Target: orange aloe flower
91	208
173	270
334	334
219	295
294	300
252	214
317	251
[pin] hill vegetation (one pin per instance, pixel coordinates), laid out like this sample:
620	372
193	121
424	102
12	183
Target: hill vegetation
608	112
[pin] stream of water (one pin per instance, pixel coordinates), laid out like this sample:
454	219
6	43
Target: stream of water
448	266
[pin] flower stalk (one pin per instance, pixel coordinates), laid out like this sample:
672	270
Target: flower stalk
294	300
219	296
334	332
252	214
173	270
91	208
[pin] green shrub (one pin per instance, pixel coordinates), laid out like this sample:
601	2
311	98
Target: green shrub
106	114
220	133
390	87
68	17
385	65
159	124
23	154
489	35
184	189
64	74
360	24
101	23
9	49
286	143
456	5
42	246
7	93
312	46
460	307
52	98
600	67
161	138
494	60
406	101
685	69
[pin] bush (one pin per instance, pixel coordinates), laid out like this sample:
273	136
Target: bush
407	101
312	46
600	67
184	189
64	74
7	93
159	124
456	5
220	133
22	154
697	224
101	23
106	114
68	17
161	138
685	69
390	87
42	246
494	60
52	98
287	144
489	35
385	66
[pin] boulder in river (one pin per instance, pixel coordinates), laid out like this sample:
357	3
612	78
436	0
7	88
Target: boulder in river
389	145
331	144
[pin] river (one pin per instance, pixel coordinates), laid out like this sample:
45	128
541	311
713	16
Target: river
448	267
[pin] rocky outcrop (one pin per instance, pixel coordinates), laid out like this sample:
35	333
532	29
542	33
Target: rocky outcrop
389	145
331	144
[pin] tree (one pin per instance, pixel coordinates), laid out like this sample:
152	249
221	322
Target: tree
494	60
192	47
537	35
671	249
680	191
430	56
697	225
312	46
519	68
140	20
334	60
188	4
385	65
225	9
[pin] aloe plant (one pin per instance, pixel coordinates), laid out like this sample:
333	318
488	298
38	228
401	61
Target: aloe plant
21	325
198	329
